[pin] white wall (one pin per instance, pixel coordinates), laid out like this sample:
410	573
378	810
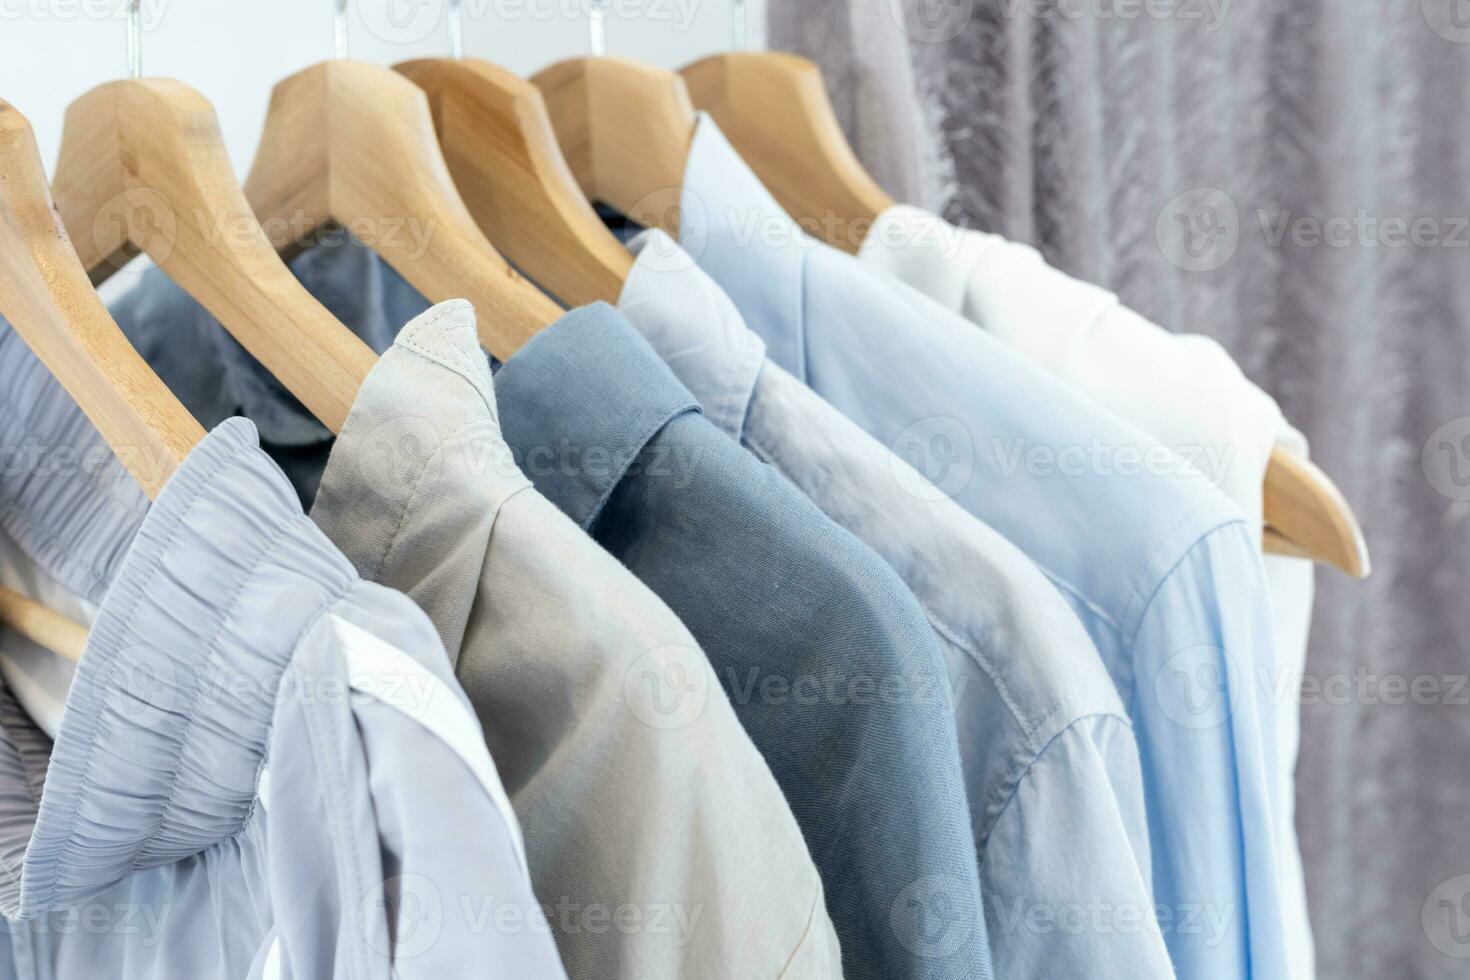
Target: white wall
235	50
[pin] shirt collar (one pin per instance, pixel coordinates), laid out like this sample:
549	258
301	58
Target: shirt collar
735	229
168	718
694	327
580	402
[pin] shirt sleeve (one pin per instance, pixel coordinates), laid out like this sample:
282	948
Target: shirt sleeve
1066	874
1203	671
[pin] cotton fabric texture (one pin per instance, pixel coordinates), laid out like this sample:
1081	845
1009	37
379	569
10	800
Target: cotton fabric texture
1163	571
659	843
264	767
1051	764
1182	389
824	652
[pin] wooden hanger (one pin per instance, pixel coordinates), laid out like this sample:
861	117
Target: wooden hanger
625	129
775	111
1307	516
502	152
48	300
143	167
354	143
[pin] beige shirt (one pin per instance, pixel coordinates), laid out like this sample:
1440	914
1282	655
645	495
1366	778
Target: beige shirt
659	843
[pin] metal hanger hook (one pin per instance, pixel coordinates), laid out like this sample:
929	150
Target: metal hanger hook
597	25
339	25
456	31
738	25
135	38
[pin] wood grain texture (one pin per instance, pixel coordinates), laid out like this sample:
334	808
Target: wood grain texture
501	148
625	130
143	167
775	111
354	143
41	625
47	298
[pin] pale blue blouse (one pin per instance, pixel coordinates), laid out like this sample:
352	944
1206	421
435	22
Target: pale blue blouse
1163	570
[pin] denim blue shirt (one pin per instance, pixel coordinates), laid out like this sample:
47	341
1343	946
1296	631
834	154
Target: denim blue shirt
825	654
1051	765
264	767
1164	572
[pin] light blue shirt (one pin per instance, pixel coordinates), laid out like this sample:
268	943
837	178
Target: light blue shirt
1162	570
1051	767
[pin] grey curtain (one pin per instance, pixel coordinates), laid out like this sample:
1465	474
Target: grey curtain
1292	178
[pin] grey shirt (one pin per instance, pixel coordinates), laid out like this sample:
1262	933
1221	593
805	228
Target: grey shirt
659	843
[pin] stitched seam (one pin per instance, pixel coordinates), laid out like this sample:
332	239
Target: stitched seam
401	523
806	934
642	443
1020	777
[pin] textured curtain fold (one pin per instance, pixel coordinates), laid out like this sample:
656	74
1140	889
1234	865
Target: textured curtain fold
1293	179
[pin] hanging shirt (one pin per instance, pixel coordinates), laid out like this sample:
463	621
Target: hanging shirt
1182	389
1163	571
658	839
825	654
1051	765
265	767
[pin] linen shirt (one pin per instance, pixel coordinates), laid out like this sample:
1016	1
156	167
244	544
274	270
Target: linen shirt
658	839
824	652
1051	765
264	767
1182	389
1162	570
